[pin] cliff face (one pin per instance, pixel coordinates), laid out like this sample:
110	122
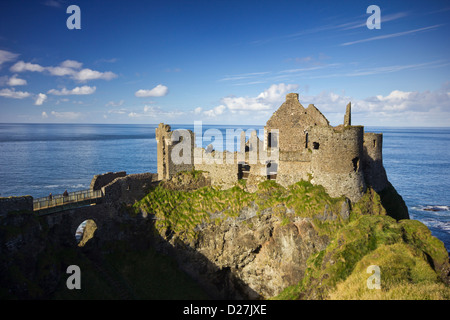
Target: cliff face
276	242
251	256
288	243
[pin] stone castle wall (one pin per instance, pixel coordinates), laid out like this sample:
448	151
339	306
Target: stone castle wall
374	172
130	188
170	149
343	159
336	160
101	180
290	172
221	173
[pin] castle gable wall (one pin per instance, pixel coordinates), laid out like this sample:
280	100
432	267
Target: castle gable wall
343	159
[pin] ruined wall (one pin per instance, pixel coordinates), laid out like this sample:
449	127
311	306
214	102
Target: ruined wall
290	172
348	115
224	175
316	118
161	134
287	119
175	151
11	204
374	172
129	189
223	167
341	158
294	122
336	160
101	180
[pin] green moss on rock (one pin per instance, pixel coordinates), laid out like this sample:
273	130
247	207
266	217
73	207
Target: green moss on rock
360	240
404	274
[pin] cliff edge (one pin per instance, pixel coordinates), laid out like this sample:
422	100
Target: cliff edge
296	242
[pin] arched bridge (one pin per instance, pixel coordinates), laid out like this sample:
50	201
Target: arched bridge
72	200
105	202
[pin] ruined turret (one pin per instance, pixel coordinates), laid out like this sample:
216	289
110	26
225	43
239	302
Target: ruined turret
348	115
175	151
344	159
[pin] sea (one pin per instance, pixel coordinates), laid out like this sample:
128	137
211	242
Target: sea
39	159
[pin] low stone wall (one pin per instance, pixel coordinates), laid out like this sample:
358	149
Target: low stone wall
11	204
101	180
223	175
130	188
290	172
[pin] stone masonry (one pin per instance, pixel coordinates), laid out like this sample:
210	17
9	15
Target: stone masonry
344	159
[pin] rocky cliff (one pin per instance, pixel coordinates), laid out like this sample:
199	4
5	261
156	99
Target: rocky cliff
291	243
275	242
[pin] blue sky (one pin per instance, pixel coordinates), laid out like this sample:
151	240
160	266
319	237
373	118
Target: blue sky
223	62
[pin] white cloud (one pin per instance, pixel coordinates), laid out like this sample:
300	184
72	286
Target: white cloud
245	103
134	115
158	91
12	93
84	90
120	111
266	100
71	64
399	101
88	74
66	115
115	104
155	112
40	99
61	71
243	76
392	35
313	68
397	108
276	92
217	111
6	56
14	81
44	115
198	110
70	68
22	66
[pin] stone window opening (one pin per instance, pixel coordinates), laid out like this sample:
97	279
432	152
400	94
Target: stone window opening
355	162
374	143
271	170
272	140
243	171
316	145
306	140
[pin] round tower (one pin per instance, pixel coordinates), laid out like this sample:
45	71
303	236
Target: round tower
336	161
374	172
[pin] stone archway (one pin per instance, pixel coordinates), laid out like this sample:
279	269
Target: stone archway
85	232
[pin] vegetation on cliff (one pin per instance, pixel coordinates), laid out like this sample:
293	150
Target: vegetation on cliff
413	263
408	256
323	244
182	210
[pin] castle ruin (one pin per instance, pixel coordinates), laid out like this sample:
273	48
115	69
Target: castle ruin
299	144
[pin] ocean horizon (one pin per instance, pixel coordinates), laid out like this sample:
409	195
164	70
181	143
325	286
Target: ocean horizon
38	159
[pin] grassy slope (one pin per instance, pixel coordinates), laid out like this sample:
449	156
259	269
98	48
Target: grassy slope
405	251
370	228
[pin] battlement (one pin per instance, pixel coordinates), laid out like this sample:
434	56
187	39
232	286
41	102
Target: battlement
299	144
